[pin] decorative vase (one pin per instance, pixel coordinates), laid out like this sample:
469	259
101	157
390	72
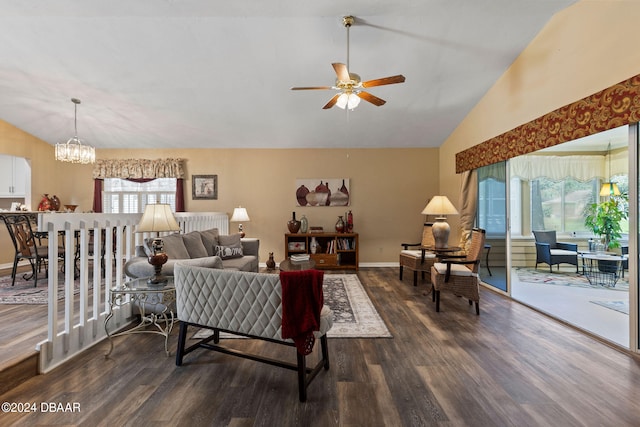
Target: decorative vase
55	203
313	246
271	264
340	225
349	222
45	203
293	225
304	224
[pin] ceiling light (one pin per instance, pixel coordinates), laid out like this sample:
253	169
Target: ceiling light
74	151
348	100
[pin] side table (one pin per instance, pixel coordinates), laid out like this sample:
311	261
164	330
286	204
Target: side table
601	268
155	303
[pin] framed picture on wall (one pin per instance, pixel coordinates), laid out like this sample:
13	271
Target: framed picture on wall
204	187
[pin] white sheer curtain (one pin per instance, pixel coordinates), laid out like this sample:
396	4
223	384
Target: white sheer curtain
581	168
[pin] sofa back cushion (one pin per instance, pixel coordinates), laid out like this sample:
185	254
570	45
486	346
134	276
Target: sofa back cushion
232	240
193	243
174	246
210	240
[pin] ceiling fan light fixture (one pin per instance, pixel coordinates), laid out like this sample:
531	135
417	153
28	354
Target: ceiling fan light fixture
74	151
348	100
349	85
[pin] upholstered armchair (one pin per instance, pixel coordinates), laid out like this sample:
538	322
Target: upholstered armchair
460	275
418	260
552	252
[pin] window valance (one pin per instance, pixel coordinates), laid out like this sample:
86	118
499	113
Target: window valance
138	168
612	107
581	168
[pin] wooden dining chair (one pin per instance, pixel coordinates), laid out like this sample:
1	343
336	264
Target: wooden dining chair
27	246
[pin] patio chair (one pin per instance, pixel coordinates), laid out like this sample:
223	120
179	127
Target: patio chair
552	252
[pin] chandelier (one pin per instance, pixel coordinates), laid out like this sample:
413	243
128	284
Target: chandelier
74	151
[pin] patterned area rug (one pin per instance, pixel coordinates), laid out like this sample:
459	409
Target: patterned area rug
621	306
24	293
354	315
564	278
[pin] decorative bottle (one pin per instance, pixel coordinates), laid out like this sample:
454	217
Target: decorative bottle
304	224
340	225
293	225
313	246
349	222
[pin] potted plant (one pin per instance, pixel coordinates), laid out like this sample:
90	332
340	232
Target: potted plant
603	219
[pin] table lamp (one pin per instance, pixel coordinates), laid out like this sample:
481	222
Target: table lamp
157	218
440	206
240	215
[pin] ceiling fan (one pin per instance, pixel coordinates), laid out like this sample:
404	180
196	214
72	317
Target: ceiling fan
349	85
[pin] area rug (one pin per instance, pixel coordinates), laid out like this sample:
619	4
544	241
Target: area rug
25	293
621	306
354	315
564	278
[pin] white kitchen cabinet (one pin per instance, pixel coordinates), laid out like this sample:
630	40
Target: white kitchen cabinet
14	176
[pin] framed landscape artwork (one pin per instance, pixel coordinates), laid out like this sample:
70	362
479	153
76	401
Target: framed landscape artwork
204	187
323	192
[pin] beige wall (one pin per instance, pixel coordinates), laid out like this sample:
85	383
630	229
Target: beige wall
389	188
582	50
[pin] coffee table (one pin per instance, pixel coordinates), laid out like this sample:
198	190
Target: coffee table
288	265
602	269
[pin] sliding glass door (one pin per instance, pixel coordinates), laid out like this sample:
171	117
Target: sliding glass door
492	217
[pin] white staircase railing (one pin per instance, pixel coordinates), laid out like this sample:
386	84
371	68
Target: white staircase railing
77	323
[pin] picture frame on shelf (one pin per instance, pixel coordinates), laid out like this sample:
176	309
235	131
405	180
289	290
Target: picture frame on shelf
204	187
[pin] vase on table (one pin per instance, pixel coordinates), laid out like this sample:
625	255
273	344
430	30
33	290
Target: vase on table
340	225
304	224
293	224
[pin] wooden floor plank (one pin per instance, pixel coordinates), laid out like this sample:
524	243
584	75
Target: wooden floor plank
510	366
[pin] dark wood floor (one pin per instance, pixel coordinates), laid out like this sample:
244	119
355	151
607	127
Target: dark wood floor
510	366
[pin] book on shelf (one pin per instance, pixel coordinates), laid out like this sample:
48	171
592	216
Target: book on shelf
299	257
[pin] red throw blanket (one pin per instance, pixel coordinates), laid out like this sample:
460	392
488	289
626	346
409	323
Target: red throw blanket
302	301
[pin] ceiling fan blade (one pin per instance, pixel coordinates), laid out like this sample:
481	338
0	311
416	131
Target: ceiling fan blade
331	102
384	81
311	88
372	99
341	71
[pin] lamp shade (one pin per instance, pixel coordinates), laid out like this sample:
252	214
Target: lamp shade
609	189
439	206
157	217
240	215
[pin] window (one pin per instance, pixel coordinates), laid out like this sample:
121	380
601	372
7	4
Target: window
123	196
559	205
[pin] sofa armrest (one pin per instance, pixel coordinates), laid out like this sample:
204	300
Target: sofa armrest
250	246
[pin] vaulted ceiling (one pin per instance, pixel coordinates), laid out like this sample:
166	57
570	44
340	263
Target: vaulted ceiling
213	74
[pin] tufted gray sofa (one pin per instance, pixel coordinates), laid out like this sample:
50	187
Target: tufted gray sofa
200	248
241	303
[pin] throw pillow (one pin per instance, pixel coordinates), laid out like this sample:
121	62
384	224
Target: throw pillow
228	252
194	245
210	240
174	246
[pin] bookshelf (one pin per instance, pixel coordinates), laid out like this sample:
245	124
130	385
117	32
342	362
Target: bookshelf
335	251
